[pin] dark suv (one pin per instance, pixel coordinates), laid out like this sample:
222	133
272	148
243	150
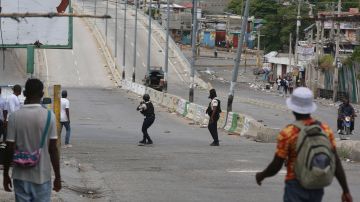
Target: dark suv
155	79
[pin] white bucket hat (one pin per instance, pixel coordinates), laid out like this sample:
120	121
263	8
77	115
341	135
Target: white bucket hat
301	101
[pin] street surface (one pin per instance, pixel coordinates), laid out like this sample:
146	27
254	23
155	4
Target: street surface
105	163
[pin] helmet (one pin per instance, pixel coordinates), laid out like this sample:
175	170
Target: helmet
146	97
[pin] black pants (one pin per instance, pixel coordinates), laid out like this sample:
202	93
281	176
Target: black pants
213	130
340	125
148	121
2	131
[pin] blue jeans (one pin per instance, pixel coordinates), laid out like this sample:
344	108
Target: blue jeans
68	131
294	192
31	192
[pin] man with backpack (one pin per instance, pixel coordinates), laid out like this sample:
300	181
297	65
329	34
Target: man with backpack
213	111
308	148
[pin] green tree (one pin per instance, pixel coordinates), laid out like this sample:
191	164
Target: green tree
280	21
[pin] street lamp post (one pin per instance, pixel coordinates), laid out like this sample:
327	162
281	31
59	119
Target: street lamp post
124	42
167	47
149	40
193	44
116	32
135	40
238	56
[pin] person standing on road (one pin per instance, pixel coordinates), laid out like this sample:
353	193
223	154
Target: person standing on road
325	163
213	111
65	117
147	109
3	118
26	130
345	109
13	101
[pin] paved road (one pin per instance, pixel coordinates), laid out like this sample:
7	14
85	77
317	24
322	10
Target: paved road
180	166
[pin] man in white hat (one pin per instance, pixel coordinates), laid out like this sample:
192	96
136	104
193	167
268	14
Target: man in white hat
301	103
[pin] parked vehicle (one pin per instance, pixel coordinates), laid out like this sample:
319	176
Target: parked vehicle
155	79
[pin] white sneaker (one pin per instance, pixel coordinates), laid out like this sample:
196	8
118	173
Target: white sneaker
68	145
339	131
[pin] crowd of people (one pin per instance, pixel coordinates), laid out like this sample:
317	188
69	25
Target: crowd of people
285	85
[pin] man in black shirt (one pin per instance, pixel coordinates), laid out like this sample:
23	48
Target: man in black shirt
213	111
345	109
147	109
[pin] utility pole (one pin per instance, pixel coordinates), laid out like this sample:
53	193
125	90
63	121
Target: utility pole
135	39
193	45
238	56
258	49
116	31
317	58
106	21
149	40
290	52
337	58
167	47
298	24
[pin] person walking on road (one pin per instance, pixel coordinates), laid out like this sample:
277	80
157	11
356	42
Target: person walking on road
3	118
32	129
65	117
308	148
213	111
147	109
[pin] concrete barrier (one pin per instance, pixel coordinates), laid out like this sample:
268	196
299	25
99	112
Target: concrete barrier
200	116
222	120
232	121
349	149
182	107
191	111
155	96
170	101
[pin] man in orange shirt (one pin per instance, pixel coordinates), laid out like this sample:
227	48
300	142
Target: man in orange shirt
302	105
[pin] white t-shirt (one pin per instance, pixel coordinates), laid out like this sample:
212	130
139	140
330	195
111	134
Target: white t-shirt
2	108
65	104
214	102
25	129
13	104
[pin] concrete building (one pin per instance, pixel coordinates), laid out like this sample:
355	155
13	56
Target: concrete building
209	6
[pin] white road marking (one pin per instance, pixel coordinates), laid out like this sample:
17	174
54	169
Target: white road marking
138	54
144	64
72	52
75	63
242	160
252	171
132	44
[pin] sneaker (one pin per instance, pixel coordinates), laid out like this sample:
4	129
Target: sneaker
149	142
143	142
68	145
339	131
215	144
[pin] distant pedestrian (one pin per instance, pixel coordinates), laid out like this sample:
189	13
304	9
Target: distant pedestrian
32	130
65	117
214	110
286	85
3	118
308	148
13	103
147	109
291	85
278	83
